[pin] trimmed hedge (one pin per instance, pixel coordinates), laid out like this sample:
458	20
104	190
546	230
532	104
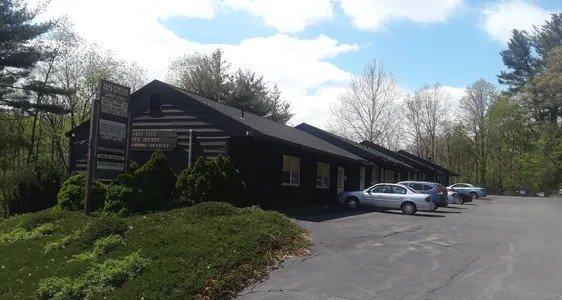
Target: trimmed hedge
71	194
144	188
212	180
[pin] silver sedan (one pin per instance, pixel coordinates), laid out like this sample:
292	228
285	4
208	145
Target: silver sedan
388	195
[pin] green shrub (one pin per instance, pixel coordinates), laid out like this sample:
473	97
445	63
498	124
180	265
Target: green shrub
101	227
143	188
71	193
211	180
113	273
59	288
119	199
18	233
99	280
35	189
214	209
157	170
107	244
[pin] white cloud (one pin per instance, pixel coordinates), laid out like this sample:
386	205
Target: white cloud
132	30
286	15
501	18
372	14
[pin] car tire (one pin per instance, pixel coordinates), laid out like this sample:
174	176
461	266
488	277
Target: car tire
409	208
352	203
474	195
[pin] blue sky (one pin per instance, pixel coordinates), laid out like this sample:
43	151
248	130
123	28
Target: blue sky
312	48
454	53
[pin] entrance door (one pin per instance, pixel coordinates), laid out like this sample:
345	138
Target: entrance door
341	179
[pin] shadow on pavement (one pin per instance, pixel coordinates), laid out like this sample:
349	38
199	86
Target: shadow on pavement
418	214
325	213
322	213
456	207
441	211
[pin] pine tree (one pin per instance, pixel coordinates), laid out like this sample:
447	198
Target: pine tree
18	53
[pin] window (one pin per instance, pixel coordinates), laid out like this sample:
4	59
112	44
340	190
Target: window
394	189
291	170
322	175
416	186
427	187
378	189
155	105
362	178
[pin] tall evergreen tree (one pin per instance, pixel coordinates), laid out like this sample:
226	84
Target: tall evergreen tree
519	60
18	52
210	76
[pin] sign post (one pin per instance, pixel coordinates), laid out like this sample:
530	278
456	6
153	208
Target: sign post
109	136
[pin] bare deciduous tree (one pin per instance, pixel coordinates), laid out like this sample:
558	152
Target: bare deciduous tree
426	111
368	108
474	106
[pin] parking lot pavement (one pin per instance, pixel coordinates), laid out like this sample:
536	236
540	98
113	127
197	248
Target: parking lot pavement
495	248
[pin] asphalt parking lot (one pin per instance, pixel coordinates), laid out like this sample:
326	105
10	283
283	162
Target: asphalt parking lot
495	248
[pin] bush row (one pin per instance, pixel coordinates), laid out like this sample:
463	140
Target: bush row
154	186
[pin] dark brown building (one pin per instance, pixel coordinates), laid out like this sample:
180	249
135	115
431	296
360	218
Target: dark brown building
280	165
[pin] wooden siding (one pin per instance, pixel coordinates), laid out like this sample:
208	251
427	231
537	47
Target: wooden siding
180	114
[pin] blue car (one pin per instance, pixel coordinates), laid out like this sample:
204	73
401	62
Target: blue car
468	189
439	195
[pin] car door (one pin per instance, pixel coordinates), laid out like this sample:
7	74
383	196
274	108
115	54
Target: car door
375	196
394	196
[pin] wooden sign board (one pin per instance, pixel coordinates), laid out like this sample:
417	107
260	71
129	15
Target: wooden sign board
150	140
109	131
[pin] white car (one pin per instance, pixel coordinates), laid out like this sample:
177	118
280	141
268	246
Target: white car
388	195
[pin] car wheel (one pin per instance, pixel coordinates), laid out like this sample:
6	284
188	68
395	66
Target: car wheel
352	203
473	195
409	208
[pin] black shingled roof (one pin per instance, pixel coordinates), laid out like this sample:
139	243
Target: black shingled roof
425	161
268	128
351	146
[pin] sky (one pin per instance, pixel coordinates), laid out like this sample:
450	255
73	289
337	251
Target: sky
312	48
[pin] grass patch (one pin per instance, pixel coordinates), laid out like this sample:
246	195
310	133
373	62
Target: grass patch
211	250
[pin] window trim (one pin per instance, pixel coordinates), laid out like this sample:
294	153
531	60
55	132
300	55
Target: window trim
323	187
290	171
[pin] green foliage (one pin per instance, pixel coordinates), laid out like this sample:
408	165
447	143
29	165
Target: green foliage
211	180
59	288
107	244
145	188
210	250
156	169
98	281
19	234
35	189
99	228
71	193
211	77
